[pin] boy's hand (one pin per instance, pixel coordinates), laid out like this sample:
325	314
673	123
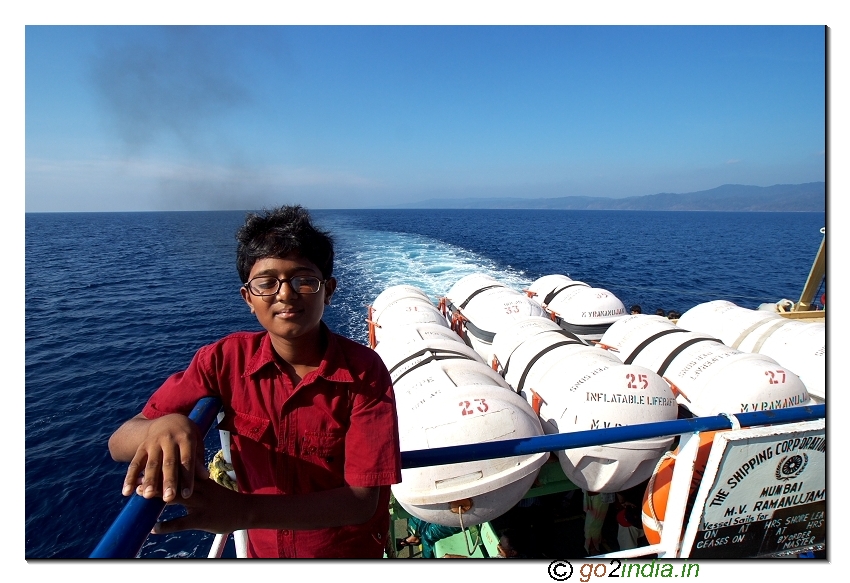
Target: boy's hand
167	459
211	508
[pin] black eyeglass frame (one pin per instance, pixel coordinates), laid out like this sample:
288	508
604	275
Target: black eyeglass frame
280	282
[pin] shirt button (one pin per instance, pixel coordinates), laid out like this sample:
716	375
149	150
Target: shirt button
286	532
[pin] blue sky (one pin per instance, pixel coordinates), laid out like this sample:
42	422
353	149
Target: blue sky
182	118
364	117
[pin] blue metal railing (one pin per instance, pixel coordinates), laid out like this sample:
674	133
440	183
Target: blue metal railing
131	528
127	534
559	441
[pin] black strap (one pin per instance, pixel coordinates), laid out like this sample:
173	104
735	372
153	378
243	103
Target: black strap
425	351
551	295
630	358
584	329
663	368
437	355
484	335
476	331
539	355
561	332
478	291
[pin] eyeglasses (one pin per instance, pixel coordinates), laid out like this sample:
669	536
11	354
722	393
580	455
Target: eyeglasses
266	285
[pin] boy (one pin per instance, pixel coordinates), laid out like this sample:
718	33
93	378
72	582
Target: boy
312	414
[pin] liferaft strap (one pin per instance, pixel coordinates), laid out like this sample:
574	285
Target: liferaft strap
673	354
639	348
569	335
551	295
481	334
540	355
436	354
476	292
764	336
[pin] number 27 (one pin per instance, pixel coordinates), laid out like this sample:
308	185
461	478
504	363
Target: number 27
776	377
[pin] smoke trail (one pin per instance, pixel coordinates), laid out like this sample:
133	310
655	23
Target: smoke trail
176	84
179	88
174	96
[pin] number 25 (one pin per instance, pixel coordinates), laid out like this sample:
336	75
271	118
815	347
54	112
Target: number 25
641	378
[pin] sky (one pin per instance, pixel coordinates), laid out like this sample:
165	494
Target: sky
140	118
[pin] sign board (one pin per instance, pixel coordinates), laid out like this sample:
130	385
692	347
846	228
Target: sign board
763	494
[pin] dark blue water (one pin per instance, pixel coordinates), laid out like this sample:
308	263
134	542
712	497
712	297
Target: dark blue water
115	302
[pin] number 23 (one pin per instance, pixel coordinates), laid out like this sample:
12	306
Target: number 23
467	410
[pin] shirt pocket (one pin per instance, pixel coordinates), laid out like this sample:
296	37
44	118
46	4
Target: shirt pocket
245	425
324	448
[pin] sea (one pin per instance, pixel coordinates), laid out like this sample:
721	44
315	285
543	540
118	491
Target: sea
116	302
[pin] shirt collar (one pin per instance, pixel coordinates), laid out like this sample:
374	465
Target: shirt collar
333	367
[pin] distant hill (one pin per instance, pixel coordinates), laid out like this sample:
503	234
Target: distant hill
809	197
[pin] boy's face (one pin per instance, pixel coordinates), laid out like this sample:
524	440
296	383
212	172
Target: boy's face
289	316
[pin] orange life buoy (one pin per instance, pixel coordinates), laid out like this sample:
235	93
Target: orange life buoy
658	490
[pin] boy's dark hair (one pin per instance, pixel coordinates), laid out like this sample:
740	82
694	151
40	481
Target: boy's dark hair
518	541
278	232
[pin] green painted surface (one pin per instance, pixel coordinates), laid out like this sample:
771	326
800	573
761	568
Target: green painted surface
489	539
550	480
461	543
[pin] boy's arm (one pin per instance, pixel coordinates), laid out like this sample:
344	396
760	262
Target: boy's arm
164	455
213	508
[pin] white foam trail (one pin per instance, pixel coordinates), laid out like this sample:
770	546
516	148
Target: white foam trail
387	259
368	262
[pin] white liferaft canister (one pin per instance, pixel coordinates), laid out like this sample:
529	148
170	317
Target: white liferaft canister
395	293
584	392
709	377
426	367
446	395
543	289
796	344
576	387
404	312
724	320
457	415
415	388
416	332
468	286
400	357
586	311
487	307
529	346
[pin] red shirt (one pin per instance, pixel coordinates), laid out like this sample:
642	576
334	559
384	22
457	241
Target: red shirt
338	427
